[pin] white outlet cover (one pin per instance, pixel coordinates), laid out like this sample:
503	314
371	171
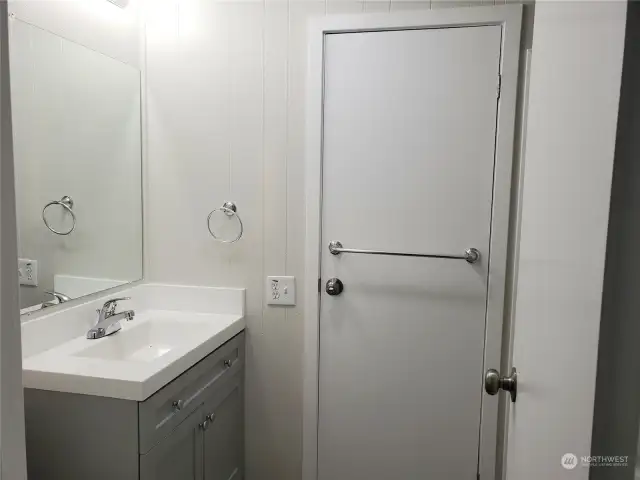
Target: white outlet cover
28	272
281	290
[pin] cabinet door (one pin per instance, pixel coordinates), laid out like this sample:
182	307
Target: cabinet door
179	455
224	436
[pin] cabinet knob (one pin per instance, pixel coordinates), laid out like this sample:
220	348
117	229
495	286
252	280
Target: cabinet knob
228	363
204	425
211	417
178	405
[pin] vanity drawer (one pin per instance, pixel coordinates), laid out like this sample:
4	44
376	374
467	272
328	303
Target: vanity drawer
168	407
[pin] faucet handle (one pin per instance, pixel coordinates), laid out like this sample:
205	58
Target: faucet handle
110	305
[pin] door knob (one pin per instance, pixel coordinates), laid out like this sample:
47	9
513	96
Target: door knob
493	383
334	286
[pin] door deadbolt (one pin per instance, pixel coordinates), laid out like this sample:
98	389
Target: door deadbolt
493	383
334	286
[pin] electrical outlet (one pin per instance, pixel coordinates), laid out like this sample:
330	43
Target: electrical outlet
281	290
28	272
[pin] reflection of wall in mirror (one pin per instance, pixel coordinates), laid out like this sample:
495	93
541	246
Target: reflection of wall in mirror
76	116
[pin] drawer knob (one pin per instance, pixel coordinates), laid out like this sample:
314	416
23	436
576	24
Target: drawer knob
178	405
228	363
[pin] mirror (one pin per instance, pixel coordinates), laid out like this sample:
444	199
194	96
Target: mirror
78	168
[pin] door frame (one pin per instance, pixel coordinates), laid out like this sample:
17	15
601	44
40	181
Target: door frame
13	456
509	17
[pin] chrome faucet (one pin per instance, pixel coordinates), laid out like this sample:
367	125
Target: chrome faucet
109	320
57	299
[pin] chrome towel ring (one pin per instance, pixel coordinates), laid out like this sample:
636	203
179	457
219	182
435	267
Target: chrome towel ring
65	202
230	210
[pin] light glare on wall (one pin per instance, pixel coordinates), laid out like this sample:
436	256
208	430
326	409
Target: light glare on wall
120	3
169	21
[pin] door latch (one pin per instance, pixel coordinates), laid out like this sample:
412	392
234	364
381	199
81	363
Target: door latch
334	286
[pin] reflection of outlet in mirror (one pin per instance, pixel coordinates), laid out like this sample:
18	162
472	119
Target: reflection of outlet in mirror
28	272
281	290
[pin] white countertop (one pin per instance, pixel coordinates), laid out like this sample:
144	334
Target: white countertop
134	363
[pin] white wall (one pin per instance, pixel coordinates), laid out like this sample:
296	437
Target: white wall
226	90
76	125
76	114
13	463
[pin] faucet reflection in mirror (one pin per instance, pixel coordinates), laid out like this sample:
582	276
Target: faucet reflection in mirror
57	299
77	127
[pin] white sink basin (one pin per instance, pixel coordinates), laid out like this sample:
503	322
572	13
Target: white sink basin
144	342
134	363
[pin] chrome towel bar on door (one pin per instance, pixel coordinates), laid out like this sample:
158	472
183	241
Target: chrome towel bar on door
471	255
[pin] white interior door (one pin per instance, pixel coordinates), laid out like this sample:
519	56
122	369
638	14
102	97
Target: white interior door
565	215
408	166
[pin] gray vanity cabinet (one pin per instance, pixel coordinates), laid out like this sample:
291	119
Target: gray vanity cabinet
178	456
190	429
207	445
223	435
